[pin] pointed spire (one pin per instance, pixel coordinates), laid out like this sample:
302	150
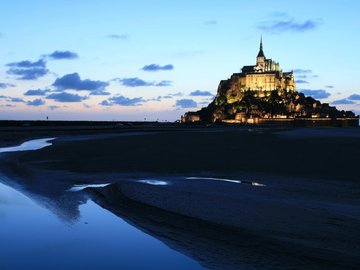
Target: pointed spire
261	52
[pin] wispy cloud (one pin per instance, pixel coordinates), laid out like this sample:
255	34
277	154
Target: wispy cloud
329	86
186	103
134	82
211	22
156	67
200	93
28	64
163	83
283	23
36	102
60	55
5	85
15	99
27	70
66	97
137	82
354	97
302	71
123	101
317	94
53	107
37	92
117	36
343	101
301	82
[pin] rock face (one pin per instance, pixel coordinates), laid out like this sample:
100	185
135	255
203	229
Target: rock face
278	104
263	92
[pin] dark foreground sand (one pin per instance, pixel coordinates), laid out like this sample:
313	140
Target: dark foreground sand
307	216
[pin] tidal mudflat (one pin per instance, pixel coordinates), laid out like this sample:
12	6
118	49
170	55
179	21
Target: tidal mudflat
219	199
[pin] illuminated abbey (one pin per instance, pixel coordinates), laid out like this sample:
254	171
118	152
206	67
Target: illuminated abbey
263	77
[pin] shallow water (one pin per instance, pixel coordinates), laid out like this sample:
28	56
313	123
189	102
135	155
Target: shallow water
28	145
32	237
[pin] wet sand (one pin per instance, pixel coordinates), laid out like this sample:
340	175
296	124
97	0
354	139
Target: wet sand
309	207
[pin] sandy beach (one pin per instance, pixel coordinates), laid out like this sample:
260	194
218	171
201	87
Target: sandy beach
304	214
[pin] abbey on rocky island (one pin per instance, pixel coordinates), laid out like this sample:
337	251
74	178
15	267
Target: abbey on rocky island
264	94
264	77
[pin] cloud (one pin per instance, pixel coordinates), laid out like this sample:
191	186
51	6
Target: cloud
178	94
354	97
317	94
27	70
5	85
200	93
12	99
302	71
343	101
301	81
8	105
66	97
211	22
137	82
73	81
105	103
186	103
87	106
168	96
204	102
122	101
164	83
37	92
287	25
116	36
99	93
36	102
156	67
53	107
59	55
28	74
134	82
28	64
329	86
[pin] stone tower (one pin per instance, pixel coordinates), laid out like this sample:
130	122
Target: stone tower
260	59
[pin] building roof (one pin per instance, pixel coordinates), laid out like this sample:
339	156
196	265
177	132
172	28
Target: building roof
261	52
247	69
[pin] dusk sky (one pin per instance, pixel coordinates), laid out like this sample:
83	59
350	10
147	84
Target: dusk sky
131	60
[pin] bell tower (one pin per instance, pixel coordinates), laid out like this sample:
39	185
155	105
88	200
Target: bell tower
260	59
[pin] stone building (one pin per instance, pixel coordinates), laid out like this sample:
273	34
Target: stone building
263	77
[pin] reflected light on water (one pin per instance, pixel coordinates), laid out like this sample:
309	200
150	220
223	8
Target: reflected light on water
227	180
29	145
154	182
81	187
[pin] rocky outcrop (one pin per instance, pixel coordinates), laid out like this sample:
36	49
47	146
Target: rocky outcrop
231	101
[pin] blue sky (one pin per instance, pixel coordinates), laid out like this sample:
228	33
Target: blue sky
131	60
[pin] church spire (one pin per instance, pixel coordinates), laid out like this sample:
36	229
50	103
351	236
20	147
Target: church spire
261	52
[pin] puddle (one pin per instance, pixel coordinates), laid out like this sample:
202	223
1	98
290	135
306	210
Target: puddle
28	145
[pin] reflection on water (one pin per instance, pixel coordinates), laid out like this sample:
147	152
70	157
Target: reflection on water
81	187
248	182
28	145
34	238
154	182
